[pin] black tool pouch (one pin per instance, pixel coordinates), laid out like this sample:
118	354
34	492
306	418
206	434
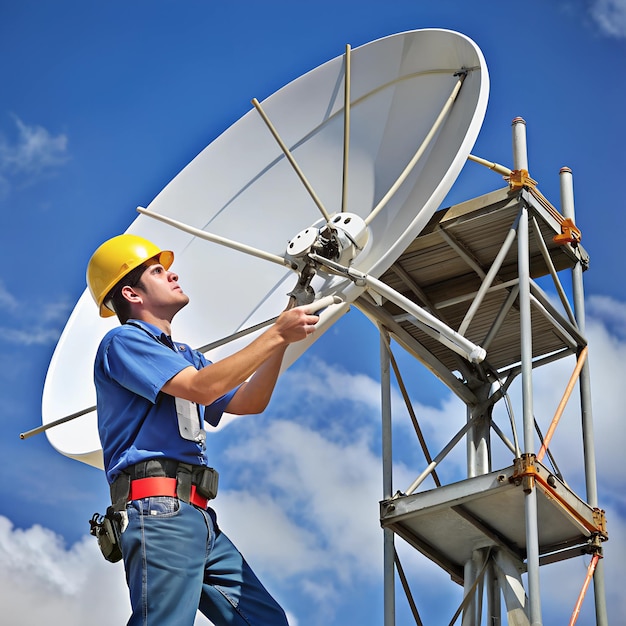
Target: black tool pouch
106	529
206	483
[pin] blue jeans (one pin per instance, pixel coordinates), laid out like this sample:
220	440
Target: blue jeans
177	562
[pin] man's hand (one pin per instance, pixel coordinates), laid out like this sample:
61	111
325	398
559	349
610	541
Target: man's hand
296	324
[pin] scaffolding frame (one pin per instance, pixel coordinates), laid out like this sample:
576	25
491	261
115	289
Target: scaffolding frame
489	529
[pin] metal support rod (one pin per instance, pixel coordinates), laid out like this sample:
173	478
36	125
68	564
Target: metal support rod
313	307
469	593
409	408
244	332
494	603
206	348
511	373
567	206
499	319
290	158
478	443
567	201
505	440
223	241
553	273
365	304
461	251
507	400
563	403
478	463
407	592
530	501
346	129
388	539
442	455
491	275
385	376
549	309
446	335
583	592
470	583
540	303
404	276
420	151
520	159
496	167
449	302
61	420
389	592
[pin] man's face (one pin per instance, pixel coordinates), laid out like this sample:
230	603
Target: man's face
160	291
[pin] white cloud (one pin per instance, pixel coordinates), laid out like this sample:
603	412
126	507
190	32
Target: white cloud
34	151
334	384
609	312
329	492
8	302
30	337
40	577
610	15
31	323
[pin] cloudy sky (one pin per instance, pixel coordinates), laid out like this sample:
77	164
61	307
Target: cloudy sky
102	104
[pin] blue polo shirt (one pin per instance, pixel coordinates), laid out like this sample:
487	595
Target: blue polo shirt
136	421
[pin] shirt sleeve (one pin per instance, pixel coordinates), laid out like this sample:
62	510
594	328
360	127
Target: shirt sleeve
213	412
139	363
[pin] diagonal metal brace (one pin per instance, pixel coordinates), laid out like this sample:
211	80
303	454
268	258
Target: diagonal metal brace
443	333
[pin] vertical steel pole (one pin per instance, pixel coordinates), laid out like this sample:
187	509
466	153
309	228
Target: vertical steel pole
494	603
388	540
520	151
469	576
470	447
478	463
478	437
532	533
567	206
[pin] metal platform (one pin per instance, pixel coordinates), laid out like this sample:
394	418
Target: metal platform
449	523
444	267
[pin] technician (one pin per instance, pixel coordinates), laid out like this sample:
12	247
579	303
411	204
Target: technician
153	397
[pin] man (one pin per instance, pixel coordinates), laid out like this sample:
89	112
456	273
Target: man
153	396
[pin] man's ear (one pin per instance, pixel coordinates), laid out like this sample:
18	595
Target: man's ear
131	295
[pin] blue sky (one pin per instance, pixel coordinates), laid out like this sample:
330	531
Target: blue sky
102	104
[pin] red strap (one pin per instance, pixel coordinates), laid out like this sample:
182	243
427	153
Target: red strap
160	486
154	486
196	499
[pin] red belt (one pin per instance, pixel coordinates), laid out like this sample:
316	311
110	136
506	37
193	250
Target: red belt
160	486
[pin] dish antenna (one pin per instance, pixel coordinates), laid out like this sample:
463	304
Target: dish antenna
312	194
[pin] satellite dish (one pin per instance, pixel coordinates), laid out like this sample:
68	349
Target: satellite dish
275	182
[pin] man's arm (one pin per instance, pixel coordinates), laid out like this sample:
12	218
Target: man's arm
263	356
254	395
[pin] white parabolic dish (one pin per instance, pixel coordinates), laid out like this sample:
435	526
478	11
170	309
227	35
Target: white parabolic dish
243	188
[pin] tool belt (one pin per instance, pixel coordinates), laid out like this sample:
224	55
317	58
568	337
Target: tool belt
194	484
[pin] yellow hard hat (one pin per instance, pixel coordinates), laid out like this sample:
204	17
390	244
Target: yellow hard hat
114	259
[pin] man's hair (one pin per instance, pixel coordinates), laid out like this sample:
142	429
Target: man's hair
115	299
